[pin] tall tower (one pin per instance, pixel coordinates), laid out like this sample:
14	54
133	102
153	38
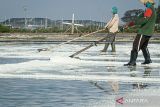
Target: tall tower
72	32
25	14
46	23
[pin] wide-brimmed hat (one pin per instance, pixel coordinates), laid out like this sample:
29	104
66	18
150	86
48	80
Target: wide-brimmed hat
145	1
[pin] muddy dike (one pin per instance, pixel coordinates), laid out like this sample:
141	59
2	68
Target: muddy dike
60	37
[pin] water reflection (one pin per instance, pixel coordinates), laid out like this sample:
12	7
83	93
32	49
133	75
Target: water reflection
117	86
147	71
139	85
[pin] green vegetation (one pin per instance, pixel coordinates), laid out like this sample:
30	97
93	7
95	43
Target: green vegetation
87	29
4	29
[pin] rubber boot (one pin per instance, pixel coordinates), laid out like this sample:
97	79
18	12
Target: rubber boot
146	56
133	58
105	47
113	47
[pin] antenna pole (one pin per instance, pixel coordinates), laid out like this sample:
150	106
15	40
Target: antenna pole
72	32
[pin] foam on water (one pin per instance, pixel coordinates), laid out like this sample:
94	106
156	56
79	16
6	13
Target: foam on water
54	62
79	62
22	66
60	62
107	57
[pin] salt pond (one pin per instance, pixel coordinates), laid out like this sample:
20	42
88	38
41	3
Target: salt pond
32	79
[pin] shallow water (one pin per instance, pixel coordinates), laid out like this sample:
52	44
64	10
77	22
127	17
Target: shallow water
52	79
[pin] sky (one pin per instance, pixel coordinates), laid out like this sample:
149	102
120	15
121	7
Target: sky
98	10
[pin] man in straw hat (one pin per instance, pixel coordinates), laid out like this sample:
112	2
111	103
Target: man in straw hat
146	24
112	26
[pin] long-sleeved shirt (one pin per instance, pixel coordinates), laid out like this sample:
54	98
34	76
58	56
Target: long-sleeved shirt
146	22
112	25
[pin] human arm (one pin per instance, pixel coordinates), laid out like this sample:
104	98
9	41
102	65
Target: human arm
111	22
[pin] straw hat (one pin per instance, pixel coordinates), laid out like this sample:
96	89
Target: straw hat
145	1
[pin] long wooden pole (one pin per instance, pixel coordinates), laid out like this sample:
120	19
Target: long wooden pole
89	46
48	49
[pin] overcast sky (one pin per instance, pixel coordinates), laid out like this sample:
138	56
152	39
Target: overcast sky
99	10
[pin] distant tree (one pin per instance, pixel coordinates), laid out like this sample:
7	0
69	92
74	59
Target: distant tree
4	29
131	15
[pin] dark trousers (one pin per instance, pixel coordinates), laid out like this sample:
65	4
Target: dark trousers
110	40
140	42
